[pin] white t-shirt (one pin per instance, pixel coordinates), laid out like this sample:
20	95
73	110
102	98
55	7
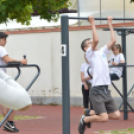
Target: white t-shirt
3	53
117	59
99	66
83	69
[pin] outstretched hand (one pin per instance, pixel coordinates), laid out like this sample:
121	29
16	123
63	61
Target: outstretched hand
91	19
113	38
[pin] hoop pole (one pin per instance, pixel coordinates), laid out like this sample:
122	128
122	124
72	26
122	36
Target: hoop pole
124	79
65	76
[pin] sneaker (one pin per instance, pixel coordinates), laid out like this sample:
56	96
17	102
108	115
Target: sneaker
86	113
82	125
10	127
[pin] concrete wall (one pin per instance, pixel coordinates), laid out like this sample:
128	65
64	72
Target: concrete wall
44	49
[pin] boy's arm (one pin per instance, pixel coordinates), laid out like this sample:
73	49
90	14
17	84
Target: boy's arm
8	59
113	39
94	32
83	79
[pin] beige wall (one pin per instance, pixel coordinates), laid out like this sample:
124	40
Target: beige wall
43	49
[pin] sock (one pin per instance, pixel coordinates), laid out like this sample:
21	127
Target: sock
10	122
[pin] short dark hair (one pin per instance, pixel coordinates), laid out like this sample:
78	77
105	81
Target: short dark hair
3	35
83	44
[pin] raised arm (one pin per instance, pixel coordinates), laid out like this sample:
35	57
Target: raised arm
113	39
83	79
94	32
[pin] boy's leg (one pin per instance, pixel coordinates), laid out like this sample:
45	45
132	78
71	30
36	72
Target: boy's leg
99	114
103	103
112	110
109	106
9	125
115	115
103	117
98	102
5	111
85	97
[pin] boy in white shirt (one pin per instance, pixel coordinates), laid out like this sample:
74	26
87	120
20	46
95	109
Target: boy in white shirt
7	85
102	101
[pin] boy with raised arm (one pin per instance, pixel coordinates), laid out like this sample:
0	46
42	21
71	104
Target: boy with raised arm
102	101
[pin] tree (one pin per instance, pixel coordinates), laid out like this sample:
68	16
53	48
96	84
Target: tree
132	1
21	9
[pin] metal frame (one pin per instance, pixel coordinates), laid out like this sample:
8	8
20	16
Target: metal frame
18	65
124	99
65	76
128	91
127	95
78	11
100	11
86	18
17	76
65	70
124	10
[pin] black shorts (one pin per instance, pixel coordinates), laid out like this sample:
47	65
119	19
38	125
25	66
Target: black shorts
102	100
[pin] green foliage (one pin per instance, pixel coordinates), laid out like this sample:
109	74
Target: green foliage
21	9
132	1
